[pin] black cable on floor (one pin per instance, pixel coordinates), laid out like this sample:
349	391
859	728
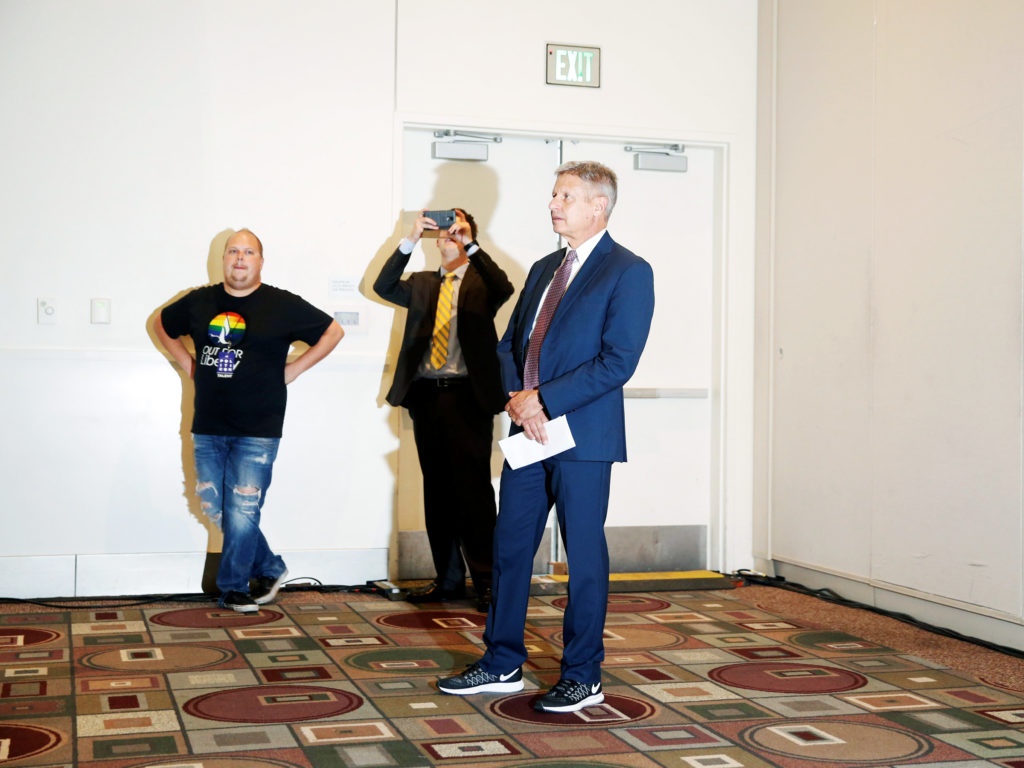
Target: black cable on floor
83	604
749	577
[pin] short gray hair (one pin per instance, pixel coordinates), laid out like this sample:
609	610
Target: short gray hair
599	176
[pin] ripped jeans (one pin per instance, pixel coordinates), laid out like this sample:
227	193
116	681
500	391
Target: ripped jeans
233	474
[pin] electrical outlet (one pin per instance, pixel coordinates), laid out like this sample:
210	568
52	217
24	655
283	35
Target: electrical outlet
46	311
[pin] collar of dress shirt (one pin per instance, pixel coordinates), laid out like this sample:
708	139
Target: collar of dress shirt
583	252
459	270
586	247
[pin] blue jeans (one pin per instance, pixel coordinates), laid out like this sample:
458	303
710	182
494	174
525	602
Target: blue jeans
232	477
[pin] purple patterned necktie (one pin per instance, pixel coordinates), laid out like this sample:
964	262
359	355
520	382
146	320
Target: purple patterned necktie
531	376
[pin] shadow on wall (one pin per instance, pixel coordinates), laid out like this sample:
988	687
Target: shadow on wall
463	184
214	538
473	187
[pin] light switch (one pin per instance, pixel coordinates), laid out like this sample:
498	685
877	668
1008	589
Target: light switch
100	311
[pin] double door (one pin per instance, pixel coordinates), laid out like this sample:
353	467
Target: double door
671	219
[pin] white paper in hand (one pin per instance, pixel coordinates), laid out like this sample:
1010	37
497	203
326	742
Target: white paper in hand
520	450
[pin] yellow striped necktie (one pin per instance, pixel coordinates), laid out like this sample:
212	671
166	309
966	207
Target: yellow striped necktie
442	322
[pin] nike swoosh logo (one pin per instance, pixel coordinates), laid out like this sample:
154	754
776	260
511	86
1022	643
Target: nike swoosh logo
595	688
503	678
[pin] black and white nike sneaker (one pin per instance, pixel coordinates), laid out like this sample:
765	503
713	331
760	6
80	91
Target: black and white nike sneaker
569	696
475	679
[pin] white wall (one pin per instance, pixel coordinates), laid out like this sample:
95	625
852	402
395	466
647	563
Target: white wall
894	302
136	134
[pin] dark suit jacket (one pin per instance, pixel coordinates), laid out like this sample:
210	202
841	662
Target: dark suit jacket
484	289
591	348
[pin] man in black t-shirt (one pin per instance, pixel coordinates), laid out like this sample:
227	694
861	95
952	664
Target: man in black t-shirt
242	331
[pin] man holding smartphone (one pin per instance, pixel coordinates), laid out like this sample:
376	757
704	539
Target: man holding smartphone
448	378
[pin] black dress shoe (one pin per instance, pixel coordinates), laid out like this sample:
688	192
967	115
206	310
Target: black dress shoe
483	602
434	593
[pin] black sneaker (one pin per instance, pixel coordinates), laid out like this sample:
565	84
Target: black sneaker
569	696
264	589
239	602
477	680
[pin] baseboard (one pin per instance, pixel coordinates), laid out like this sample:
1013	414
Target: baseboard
640	548
1006	632
650	548
37	575
631	549
342	567
415	562
168	573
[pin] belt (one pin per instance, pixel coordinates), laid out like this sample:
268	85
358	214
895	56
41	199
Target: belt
444	382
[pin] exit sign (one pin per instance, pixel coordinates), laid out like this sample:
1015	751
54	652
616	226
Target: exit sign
573	65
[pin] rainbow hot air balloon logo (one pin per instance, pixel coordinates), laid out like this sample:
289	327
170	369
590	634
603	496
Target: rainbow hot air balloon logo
227	329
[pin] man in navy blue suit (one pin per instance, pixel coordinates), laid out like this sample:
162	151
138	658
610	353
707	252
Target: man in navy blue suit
574	339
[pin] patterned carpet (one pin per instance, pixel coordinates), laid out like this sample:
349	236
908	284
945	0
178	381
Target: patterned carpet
692	679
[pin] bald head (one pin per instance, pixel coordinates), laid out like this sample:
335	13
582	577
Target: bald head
243	263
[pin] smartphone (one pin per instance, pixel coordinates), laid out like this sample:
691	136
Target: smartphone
444	220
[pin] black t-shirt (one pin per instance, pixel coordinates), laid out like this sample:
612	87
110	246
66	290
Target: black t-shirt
241	349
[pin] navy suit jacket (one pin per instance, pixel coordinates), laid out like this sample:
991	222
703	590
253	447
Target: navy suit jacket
591	348
484	289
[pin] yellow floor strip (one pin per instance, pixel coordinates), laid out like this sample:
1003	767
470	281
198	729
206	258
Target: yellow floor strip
650	576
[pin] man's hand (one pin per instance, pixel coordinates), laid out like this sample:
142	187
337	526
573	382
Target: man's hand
526	410
328	341
418	226
175	348
460	230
